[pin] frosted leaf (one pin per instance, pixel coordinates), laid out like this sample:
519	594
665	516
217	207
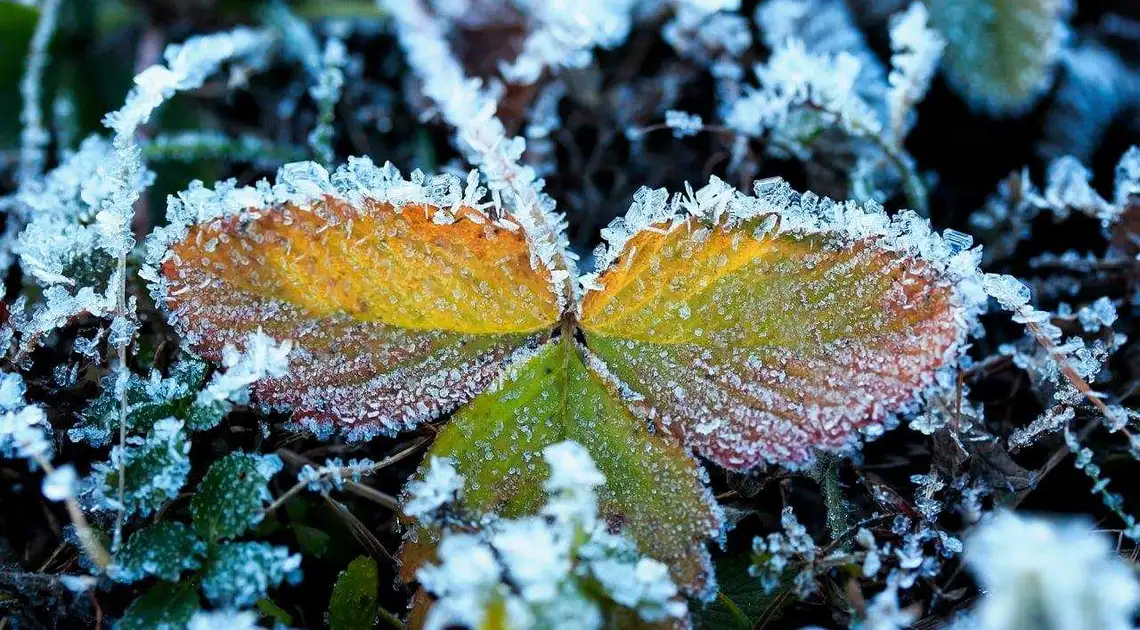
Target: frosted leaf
501	445
1127	177
163	607
24	429
1059	573
231	497
1000	55
164	550
238	574
830	322
155	466
395	317
563	33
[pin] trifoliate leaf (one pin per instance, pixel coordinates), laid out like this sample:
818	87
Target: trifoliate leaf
233	494
163	607
402	300
163	550
238	574
762	328
353	602
653	491
1000	54
156	468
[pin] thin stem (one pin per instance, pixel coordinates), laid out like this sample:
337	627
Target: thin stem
33	137
87	538
344	475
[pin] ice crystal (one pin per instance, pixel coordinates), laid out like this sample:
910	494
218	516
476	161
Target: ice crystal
24	429
538	569
262	357
1037	572
61	483
333	473
683	123
440	486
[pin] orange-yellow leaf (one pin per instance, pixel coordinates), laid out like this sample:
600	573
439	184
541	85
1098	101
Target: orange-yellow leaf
398	311
762	337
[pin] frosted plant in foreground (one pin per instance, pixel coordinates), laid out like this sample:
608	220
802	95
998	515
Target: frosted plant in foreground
263	357
1042	573
542	571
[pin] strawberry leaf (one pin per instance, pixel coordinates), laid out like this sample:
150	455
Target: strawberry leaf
403	299
760	328
653	491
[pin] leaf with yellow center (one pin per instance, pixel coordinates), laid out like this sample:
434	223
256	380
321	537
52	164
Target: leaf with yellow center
654	489
396	315
759	348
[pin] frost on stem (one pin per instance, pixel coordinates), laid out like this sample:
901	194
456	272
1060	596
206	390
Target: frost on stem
563	33
470	107
1007	216
33	137
547	571
1035	572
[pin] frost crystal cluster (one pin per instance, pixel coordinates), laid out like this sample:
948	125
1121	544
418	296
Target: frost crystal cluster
543	571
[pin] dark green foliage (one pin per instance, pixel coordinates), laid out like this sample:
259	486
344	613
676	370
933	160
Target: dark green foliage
148	401
156	470
231	497
353	602
165	550
163	607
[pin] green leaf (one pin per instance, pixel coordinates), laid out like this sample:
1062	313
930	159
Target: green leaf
148	401
269	608
653	487
315	542
1000	54
163	607
163	550
156	469
238	574
740	600
17	22
353	602
231	496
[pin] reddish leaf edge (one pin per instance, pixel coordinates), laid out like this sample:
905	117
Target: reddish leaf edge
776	209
